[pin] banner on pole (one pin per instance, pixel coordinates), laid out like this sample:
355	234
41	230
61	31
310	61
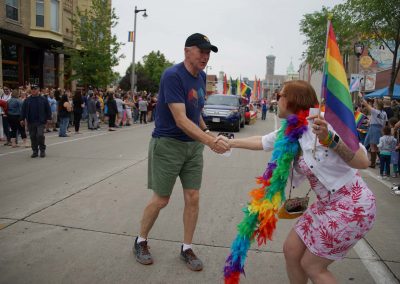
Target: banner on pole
370	80
130	36
355	82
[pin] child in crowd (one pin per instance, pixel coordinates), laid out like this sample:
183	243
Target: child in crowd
394	158
387	145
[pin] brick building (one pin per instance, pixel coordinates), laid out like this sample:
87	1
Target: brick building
30	33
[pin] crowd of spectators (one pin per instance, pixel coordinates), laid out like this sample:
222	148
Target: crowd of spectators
94	106
379	132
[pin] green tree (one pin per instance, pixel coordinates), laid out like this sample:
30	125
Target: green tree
313	26
148	74
380	21
96	48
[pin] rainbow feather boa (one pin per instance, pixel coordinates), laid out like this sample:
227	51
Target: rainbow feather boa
260	219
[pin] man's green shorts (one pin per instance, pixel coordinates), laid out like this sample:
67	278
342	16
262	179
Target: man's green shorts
170	158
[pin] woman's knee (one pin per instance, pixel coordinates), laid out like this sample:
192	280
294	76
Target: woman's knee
292	252
314	266
293	247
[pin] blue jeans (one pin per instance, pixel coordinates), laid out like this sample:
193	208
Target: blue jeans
64	121
385	164
135	115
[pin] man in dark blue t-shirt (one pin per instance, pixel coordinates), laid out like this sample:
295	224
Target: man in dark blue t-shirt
176	146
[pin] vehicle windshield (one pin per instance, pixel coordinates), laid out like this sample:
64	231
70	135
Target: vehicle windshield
223	100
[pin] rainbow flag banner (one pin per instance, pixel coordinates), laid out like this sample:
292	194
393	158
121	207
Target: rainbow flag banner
338	107
245	90
131	37
359	118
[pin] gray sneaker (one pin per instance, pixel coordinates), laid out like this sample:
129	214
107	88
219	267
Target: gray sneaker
141	251
191	260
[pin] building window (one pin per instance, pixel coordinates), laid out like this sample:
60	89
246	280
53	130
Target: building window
12	9
54	15
40	13
49	69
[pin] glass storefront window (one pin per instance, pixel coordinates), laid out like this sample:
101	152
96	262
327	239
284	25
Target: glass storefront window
40	13
12	9
10	63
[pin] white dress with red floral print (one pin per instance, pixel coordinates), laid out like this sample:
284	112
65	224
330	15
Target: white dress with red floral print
333	224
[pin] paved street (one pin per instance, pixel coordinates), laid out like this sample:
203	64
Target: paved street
72	217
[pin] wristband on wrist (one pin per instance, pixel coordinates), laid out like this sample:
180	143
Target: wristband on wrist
334	142
328	140
206	130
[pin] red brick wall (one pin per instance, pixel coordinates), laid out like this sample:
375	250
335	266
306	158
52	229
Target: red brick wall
383	79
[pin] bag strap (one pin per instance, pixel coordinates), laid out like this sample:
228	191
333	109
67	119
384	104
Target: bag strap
291	182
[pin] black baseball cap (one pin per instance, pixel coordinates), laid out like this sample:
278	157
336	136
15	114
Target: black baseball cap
201	41
34	87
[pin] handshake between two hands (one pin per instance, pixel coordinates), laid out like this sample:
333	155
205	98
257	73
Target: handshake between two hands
221	143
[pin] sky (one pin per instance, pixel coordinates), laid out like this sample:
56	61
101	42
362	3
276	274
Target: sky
245	32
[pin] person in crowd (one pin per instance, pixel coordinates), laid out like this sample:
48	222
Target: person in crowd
14	107
5	95
85	98
396	109
36	112
345	207
129	104
143	103
93	119
149	113
394	157
78	105
176	146
387	107
53	107
120	107
99	98
64	110
112	111
136	109
377	121
264	108
153	102
363	127
387	145
3	111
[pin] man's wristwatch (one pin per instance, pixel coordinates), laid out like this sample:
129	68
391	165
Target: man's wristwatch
206	130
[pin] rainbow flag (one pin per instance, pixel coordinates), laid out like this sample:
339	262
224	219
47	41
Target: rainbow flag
233	86
245	90
254	91
339	108
225	91
359	118
130	37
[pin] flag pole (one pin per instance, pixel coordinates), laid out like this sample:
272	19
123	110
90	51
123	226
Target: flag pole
323	87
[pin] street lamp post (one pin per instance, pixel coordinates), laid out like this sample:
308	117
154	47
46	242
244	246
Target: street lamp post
358	51
133	83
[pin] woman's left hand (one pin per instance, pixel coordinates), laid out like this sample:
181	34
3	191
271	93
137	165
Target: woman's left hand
319	127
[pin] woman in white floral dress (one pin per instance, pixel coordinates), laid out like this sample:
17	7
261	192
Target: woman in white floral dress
335	222
345	208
